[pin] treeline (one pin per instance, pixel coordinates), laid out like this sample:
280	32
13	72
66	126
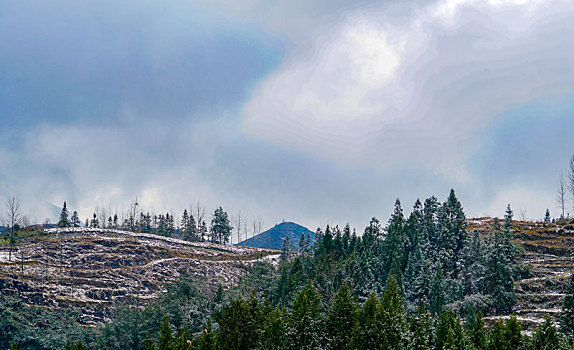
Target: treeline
435	260
380	323
190	227
404	285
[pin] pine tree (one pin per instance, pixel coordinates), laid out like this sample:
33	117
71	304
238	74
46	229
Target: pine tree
286	249
148	343
513	333
366	332
75	220
477	332
498	281
392	317
449	332
496	337
547	216
421	328
546	336
305	320
567	318
274	329
188	227
220	226
341	318
64	222
165	335
436	294
239	323
95	223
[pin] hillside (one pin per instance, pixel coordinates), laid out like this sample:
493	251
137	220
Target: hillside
273	238
93	269
549	254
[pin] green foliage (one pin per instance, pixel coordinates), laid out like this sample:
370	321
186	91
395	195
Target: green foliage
165	341
341	318
240	323
449	332
303	327
546	336
220	230
392	317
421	328
567	318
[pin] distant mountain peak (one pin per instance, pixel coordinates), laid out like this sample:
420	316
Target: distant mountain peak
273	237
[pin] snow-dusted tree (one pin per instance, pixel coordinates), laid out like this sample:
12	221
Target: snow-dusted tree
75	219
499	282
392	318
421	328
547	217
571	177
64	221
341	318
567	318
305	320
188	228
220	226
95	223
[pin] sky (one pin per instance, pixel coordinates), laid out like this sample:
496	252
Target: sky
319	112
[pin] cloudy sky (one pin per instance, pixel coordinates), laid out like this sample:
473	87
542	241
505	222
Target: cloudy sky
315	111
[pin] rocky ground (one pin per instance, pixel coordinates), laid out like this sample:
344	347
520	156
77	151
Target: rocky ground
95	269
549	254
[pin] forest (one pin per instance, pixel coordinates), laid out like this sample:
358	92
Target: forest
420	281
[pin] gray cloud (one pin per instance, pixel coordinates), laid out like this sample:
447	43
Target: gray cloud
320	112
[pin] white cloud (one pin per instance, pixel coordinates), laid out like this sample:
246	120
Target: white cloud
415	94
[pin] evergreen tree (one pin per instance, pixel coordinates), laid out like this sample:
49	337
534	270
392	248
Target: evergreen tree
341	318
239	323
496	338
499	282
392	317
477	332
366	332
547	216
513	334
148	343
64	222
546	336
188	227
75	220
95	223
165	335
274	329
286	249
220	226
436	295
567	318
305	320
449	332
421	328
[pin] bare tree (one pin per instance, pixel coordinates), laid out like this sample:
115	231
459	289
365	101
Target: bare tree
238	224
257	224
199	217
522	214
561	193
13	215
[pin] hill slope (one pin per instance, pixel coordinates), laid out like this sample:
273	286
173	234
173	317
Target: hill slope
273	238
549	255
94	269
